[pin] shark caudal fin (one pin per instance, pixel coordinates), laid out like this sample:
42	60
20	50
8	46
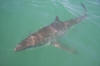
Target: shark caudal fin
85	9
78	19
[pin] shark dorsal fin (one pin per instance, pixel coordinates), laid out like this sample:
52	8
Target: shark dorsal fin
57	19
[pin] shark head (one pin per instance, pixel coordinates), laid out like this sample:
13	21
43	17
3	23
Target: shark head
27	43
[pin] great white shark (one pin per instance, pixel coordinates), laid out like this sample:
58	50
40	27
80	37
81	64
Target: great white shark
50	33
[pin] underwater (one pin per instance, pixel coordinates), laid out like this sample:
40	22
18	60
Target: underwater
21	21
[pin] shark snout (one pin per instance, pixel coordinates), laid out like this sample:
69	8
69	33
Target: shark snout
19	48
23	45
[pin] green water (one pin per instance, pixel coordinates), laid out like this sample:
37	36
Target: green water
20	18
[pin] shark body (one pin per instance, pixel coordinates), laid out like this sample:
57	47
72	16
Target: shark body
50	33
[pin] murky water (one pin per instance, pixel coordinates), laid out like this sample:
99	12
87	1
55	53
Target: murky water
20	18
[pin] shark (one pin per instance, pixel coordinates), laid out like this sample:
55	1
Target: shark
50	33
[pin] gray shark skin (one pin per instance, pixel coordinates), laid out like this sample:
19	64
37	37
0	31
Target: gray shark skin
50	33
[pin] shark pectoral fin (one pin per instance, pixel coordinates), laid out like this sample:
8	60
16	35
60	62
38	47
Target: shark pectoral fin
57	45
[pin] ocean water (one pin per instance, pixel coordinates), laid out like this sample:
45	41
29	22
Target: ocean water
20	18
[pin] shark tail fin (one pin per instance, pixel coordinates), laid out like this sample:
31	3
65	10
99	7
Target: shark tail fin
85	9
77	20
